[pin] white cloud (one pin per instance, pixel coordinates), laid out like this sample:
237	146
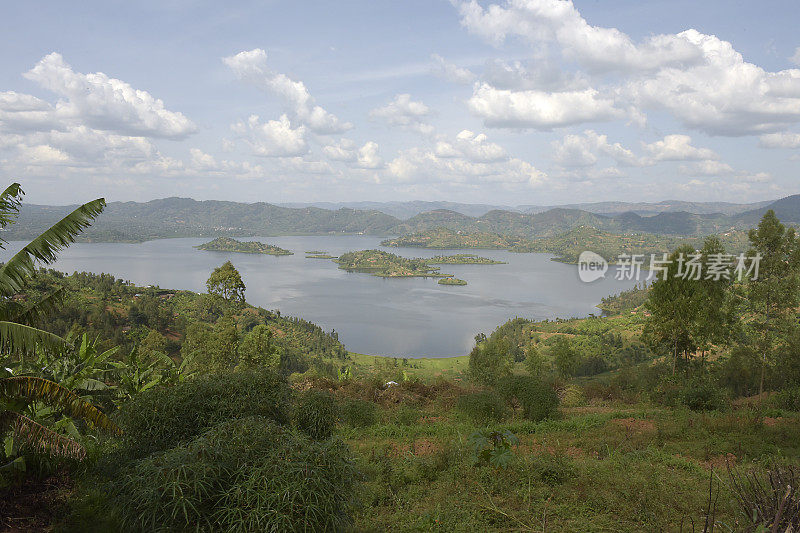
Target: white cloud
540	110
780	140
104	103
470	146
405	112
251	67
558	21
368	156
451	72
582	151
700	79
469	159
344	150
539	73
707	168
274	138
678	148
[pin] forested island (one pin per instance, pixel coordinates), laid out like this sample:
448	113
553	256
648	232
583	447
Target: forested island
387	265
452	281
227	244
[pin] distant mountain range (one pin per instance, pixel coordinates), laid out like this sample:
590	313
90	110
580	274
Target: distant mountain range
184	217
405	210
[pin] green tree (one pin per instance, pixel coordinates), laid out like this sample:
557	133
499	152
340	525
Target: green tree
715	309
225	281
566	357
773	295
153	346
535	363
257	349
672	304
490	360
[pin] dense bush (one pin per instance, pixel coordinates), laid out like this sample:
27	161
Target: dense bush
315	414
699	394
538	400
358	413
482	407
161	418
788	399
242	475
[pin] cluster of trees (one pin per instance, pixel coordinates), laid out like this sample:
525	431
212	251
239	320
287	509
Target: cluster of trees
740	334
689	318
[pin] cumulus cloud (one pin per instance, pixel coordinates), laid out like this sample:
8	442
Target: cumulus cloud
251	67
368	156
706	168
467	159
678	148
274	138
470	146
583	150
405	112
780	140
103	103
560	22
540	74
700	79
541	110
450	71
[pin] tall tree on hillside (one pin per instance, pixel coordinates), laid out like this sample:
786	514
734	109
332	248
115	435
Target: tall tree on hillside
715	306
490	359
774	295
226	281
672	304
19	337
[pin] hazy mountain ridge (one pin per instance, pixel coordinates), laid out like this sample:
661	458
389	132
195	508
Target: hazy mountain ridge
184	217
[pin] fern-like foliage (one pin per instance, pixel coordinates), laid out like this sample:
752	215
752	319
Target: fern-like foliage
39	438
30	389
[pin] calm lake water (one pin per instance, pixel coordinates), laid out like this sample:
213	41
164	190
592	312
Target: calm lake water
410	317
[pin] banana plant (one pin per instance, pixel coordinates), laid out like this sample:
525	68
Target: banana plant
22	395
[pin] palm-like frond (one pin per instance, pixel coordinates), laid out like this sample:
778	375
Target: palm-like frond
10	200
40	438
15	273
49	392
22	339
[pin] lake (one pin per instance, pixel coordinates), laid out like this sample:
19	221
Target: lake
406	317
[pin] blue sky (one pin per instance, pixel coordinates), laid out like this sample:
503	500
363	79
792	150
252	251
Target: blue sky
509	102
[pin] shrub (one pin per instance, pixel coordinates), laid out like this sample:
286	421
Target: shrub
242	475
482	407
573	396
702	396
537	399
358	413
315	414
161	418
788	399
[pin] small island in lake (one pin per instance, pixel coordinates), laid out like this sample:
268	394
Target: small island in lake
384	264
452	281
226	244
320	255
462	259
